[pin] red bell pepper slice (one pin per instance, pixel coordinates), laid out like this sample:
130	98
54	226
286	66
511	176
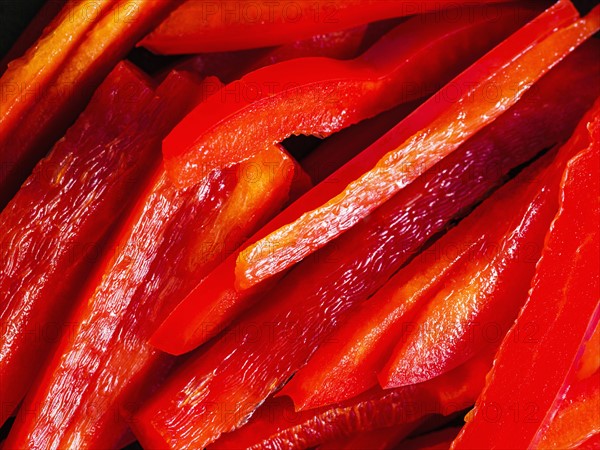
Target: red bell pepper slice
43	92
545	116
578	418
438	440
77	190
308	304
356	352
321	96
379	439
540	354
452	327
276	425
169	242
197	27
416	145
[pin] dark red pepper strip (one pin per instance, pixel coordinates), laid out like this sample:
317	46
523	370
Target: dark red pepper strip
267	345
546	115
321	96
540	354
78	195
197	27
275	424
511	75
438	440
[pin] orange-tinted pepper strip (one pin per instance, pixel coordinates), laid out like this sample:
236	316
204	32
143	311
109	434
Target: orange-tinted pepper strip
540	355
544	117
578	418
280	100
276	425
52	226
431	142
197	27
45	90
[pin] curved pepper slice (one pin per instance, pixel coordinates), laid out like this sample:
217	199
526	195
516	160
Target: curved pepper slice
197	27
43	92
278	101
358	350
541	352
511	68
170	241
545	116
438	440
276	425
77	191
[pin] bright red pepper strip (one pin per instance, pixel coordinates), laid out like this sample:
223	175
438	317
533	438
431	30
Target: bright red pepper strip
43	92
510	77
545	116
360	348
78	195
276	425
321	96
170	241
542	350
266	346
197	27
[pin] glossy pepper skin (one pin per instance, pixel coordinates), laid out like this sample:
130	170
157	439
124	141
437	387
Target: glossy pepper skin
511	220
539	357
544	117
45	90
78	196
197	27
276	425
416	144
417	57
298	314
170	241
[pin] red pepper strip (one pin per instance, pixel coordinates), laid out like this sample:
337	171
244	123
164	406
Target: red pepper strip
170	241
307	305
276	425
438	440
453	327
590	361
545	116
34	30
348	363
340	148
592	443
578	418
379	439
197	27
321	96
541	352
77	190
433	140
45	90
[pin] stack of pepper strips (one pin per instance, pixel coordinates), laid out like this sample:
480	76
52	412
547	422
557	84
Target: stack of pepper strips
170	266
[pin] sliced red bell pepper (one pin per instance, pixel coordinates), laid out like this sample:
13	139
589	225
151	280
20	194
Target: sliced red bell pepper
590	360
379	439
320	96
416	144
78	196
356	352
276	425
43	92
197	27
307	305
169	242
545	116
540	355
34	30
452	327
578	418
